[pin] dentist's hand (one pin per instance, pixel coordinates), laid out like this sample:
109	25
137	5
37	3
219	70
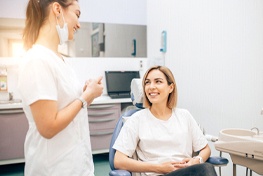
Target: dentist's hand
93	88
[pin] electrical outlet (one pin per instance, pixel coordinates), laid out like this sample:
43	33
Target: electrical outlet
141	65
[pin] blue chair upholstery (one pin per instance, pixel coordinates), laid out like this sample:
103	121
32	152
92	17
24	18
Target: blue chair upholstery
217	160
112	151
137	101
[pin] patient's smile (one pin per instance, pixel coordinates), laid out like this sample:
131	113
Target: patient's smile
154	94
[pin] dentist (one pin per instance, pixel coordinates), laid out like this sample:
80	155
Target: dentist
55	104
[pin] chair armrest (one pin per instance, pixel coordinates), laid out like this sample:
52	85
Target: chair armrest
119	173
217	161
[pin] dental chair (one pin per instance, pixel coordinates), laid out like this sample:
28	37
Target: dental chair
137	99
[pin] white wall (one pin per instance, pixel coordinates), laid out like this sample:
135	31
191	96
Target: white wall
8	9
215	50
114	11
108	11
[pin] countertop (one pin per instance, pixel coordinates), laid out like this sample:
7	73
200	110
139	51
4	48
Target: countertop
104	99
11	104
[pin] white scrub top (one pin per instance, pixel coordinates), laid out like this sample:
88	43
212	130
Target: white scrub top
45	76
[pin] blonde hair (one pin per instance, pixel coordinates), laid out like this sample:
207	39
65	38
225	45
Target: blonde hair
172	98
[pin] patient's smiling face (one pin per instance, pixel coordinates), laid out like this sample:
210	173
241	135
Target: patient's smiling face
156	87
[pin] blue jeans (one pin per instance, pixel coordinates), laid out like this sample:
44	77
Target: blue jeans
204	169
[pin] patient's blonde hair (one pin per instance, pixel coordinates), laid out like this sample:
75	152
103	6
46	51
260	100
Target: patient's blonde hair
172	98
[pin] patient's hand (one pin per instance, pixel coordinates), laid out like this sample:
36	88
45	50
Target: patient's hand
187	162
168	167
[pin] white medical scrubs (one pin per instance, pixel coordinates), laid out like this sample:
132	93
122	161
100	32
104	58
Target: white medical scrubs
45	76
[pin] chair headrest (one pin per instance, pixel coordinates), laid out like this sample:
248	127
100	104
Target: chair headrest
137	92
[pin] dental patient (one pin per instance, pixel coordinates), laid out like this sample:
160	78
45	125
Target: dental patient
162	136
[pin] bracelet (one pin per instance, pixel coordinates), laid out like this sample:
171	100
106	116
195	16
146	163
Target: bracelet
200	159
84	103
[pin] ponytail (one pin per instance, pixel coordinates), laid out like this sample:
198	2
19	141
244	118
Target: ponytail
34	20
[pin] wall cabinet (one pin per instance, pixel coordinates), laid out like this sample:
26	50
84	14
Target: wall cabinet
102	121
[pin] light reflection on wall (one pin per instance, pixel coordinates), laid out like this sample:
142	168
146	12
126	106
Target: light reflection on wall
17	49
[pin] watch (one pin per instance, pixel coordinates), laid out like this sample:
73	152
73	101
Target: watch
200	159
84	103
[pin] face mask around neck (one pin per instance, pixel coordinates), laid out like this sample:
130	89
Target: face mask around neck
62	32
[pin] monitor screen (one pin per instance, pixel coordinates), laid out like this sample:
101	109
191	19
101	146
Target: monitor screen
120	81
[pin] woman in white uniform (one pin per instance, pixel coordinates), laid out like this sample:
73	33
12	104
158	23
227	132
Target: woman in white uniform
163	136
55	103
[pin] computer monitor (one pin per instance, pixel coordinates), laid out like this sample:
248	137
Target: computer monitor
119	83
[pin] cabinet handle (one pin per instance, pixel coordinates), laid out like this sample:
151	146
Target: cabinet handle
101	114
100	106
100	133
11	111
102	120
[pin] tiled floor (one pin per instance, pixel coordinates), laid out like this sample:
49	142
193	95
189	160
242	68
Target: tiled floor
101	164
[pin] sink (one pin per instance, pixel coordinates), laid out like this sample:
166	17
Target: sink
238	132
231	134
245	147
259	136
